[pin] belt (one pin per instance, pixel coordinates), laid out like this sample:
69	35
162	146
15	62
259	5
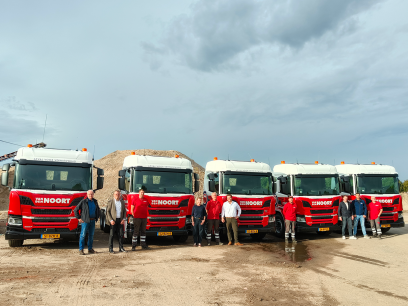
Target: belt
91	219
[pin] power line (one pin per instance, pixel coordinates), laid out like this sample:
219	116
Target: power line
11	143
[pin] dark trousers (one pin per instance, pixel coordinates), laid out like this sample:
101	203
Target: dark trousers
346	222
139	228
198	230
232	226
216	224
117	229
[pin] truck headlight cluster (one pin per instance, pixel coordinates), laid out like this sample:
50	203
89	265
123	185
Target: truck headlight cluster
188	220
300	219
15	220
400	215
271	219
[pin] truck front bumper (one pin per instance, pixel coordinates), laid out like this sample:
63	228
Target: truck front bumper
18	233
303	227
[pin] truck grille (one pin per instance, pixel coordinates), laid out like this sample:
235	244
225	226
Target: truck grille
163	219
164	212
252	212
321	217
321	211
242	218
267	203
26	201
50	220
43	230
51	211
388	208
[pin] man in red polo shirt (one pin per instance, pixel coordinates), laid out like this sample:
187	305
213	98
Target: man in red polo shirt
139	211
289	212
374	212
213	208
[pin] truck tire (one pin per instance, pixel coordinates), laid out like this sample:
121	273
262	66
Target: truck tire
279	226
15	243
180	238
104	227
258	236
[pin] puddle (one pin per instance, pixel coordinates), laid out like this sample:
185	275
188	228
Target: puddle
295	252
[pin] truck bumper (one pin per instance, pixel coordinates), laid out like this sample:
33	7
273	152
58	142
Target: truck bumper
156	230
399	223
303	227
22	234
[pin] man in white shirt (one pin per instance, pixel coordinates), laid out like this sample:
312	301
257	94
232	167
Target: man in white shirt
116	216
230	213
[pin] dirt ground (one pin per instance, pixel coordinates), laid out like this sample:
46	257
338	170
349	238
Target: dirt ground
318	270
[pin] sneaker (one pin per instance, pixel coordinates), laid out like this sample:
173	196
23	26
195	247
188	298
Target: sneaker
111	251
122	250
220	243
195	244
237	243
209	243
367	237
353	237
199	245
230	243
344	237
91	251
81	252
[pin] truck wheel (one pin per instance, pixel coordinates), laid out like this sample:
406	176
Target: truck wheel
279	226
180	239
15	243
102	220
258	236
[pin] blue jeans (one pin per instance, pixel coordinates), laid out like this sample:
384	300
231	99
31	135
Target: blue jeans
198	230
90	228
362	222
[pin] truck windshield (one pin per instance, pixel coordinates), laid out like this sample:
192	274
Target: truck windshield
377	184
44	177
163	181
250	184
316	185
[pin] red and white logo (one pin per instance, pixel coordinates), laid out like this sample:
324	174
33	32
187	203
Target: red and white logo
321	203
165	202
52	200
385	201
251	203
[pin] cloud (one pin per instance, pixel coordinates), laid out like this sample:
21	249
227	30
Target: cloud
216	33
13	103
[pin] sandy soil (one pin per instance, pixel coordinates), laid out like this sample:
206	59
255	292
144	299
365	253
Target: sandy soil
319	270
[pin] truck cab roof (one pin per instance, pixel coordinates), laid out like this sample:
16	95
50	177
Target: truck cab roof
349	169
293	169
54	155
132	161
239	166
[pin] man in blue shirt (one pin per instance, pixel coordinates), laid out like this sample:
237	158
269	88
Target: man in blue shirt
360	209
87	213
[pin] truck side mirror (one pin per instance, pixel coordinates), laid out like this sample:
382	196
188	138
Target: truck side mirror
211	186
283	179
211	176
196	177
122	173
6	167
121	183
4	178
99	172
196	186
99	182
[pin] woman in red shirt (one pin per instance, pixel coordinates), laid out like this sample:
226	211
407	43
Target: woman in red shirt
213	208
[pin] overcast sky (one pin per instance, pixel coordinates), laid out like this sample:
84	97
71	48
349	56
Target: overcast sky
271	80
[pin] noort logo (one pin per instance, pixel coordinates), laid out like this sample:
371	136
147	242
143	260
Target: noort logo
385	201
165	202
321	202
52	200
251	203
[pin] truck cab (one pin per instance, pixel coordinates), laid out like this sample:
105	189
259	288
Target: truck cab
376	180
168	185
48	184
250	184
316	191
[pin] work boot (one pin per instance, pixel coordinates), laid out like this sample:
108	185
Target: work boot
91	251
133	248
81	252
208	242
122	250
237	243
111	251
294	240
145	247
230	243
379	236
286	240
374	235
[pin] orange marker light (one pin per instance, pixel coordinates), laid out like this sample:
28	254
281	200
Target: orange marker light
252	160
29	146
342	163
373	163
316	162
282	162
133	153
84	150
176	156
215	158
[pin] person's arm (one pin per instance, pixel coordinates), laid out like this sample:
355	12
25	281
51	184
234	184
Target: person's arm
239	211
205	215
123	212
192	214
340	209
381	210
353	203
222	214
365	210
76	211
352	211
109	214
132	207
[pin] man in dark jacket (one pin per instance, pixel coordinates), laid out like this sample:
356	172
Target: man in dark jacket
116	216
87	212
346	215
360	213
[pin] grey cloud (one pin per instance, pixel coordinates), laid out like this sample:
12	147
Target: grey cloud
216	32
15	104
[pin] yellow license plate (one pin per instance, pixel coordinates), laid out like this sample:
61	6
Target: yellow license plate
324	229
385	225
164	233
45	236
252	231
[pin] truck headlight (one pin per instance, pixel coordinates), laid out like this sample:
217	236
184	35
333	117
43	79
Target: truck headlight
15	220
300	219
188	220
400	215
271	219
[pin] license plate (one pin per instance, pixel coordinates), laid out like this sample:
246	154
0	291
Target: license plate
45	236
251	231
164	233
324	229
385	225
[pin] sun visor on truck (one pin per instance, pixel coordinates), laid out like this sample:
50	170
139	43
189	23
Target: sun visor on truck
163	169
248	173
382	175
52	163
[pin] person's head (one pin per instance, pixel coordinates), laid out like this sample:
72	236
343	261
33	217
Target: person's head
141	194
229	197
373	199
116	195
214	196
345	198
357	196
290	199
198	201
90	194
